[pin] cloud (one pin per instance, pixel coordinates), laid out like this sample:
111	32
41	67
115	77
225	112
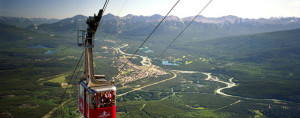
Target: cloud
294	6
294	3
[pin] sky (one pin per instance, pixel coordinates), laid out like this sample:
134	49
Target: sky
60	9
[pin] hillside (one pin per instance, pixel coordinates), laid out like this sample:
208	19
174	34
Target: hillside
62	27
25	22
266	65
26	57
20	48
33	68
258	48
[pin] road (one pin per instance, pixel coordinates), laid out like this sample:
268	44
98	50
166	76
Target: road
175	75
147	62
48	115
147	69
229	84
236	102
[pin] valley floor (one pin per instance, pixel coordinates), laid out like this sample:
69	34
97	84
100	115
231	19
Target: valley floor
195	106
145	89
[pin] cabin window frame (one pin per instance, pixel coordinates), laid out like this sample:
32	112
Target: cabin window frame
114	98
87	98
93	100
81	91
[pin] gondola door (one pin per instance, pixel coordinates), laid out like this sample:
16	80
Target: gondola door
81	100
86	102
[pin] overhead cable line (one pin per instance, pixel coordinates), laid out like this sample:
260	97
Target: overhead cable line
179	35
147	38
184	29
71	76
122	8
105	5
78	72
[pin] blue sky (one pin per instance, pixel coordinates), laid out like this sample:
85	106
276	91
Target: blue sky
68	8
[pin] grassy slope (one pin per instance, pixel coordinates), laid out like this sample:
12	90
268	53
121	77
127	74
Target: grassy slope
22	66
30	80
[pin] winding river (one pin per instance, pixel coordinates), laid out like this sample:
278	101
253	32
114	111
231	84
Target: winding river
147	62
229	84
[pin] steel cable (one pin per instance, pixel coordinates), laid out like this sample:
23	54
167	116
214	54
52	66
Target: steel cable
147	38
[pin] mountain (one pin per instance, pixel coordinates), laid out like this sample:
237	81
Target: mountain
203	28
25	22
62	27
230	19
16	37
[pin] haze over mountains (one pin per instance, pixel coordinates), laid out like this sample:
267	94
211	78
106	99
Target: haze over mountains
25	22
132	25
204	28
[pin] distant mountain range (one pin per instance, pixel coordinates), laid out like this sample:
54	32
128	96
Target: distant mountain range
25	22
132	25
62	27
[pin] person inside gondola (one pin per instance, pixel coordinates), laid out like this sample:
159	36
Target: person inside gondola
106	100
102	98
100	101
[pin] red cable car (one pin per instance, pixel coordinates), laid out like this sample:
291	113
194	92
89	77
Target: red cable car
98	101
97	97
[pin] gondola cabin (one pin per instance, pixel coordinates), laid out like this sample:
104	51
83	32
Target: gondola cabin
97	102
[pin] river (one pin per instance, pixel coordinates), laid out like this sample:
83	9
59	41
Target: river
147	62
229	84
